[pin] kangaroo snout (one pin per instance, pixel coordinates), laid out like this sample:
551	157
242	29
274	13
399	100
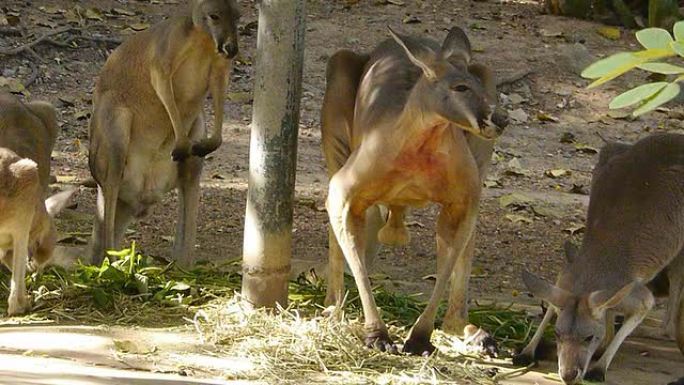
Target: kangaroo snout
229	49
571	376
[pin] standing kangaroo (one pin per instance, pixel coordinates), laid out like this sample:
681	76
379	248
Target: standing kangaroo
406	125
27	136
147	133
634	237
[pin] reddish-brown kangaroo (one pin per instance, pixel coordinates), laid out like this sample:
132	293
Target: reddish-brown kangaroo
147	133
407	125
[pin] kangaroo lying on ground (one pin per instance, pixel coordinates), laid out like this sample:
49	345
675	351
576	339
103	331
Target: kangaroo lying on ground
147	133
27	136
406	125
634	235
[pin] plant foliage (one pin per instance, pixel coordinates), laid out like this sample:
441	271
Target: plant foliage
658	44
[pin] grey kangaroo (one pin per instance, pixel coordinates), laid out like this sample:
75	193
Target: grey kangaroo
634	237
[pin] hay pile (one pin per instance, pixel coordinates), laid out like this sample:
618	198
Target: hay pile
285	346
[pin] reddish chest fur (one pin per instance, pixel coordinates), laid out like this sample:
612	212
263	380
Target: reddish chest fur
421	154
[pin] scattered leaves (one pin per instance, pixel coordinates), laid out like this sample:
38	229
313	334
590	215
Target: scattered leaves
611	33
556	173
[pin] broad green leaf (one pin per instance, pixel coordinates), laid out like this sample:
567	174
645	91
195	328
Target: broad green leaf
678	48
665	95
102	298
654	38
654	54
141	283
679	31
610	64
180	286
662	68
636	95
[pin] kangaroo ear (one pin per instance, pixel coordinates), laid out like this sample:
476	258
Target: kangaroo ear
602	300
56	203
550	293
413	56
456	44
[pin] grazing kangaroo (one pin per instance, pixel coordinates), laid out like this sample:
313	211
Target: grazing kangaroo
147	133
634	238
406	125
27	136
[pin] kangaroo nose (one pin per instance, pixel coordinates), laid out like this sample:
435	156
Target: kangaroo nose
230	50
571	376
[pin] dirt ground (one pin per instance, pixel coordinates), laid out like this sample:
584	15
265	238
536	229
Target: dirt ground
549	104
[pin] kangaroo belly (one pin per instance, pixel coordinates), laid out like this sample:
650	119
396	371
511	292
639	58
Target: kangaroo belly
148	176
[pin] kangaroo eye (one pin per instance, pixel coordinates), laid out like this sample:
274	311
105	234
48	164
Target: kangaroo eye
589	339
460	88
213	16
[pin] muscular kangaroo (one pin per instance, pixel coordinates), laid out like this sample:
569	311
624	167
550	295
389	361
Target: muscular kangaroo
147	133
634	237
407	125
27	136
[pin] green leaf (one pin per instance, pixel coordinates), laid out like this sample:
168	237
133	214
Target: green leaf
141	283
113	274
662	68
102	298
679	31
611	64
678	48
654	38
636	95
665	95
180	286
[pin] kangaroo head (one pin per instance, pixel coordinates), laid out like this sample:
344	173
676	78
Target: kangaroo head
452	88
581	324
218	18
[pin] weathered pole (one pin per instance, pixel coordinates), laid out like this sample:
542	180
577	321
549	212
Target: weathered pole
273	152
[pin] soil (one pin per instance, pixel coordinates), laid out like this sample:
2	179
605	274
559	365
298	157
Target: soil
512	37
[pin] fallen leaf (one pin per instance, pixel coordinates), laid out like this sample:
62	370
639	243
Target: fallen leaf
430	277
550	33
517	200
167	238
515	98
410	19
123	12
93	14
556	173
51	9
518	218
574	229
585	148
240	97
395	2
415	224
82	114
546	210
139	26
72	240
567	137
133	347
218	176
493	183
514	168
544	117
611	33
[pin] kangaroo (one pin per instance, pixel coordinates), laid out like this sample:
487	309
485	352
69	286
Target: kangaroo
634	239
407	125
147	132
27	136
